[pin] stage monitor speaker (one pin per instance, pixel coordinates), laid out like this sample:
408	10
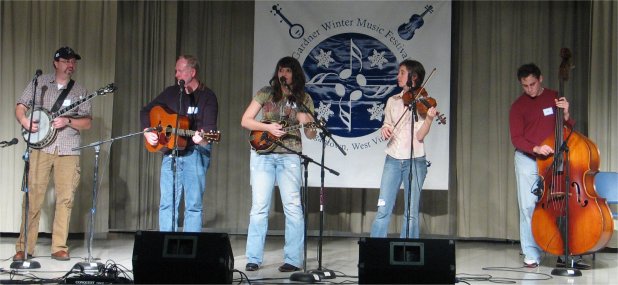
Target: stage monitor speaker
182	258
406	261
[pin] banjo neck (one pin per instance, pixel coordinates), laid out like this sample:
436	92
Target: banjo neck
82	100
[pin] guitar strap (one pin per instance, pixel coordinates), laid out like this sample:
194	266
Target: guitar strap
62	96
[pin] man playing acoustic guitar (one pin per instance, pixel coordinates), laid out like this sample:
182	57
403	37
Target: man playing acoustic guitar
200	107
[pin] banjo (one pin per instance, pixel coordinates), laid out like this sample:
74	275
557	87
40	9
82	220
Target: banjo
47	134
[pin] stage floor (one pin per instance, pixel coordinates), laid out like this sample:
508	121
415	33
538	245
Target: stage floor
475	261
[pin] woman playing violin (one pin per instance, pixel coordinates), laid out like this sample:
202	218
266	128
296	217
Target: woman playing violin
402	140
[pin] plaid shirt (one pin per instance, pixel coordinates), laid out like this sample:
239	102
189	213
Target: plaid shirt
48	92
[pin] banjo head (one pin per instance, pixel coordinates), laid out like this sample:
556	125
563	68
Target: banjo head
46	132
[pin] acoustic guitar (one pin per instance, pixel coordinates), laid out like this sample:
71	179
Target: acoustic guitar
264	142
164	122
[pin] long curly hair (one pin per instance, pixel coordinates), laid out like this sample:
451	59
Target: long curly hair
298	80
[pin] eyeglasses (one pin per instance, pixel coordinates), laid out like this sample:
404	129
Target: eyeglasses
65	61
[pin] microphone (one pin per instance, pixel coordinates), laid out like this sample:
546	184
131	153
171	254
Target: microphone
37	74
292	96
181	83
284	83
12	142
538	190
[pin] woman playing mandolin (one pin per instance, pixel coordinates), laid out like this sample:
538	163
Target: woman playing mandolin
284	100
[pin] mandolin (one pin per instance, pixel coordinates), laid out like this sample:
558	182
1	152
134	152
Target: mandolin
264	142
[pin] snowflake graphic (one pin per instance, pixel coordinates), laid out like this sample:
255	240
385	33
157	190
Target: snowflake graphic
324	58
376	111
324	111
377	59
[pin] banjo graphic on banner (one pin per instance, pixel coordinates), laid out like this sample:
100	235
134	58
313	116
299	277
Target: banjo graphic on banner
350	52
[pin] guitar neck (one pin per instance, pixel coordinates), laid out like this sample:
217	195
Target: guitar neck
190	133
183	132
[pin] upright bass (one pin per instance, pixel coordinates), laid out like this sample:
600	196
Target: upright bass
570	218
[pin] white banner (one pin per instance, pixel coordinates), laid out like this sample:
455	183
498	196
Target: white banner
350	52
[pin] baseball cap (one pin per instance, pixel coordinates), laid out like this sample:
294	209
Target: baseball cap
66	53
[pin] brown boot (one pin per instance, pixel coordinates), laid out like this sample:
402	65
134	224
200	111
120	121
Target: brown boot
60	255
19	256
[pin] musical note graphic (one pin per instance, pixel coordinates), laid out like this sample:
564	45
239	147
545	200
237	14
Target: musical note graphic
319	80
296	31
346	115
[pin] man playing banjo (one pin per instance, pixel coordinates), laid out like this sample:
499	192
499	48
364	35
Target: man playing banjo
52	92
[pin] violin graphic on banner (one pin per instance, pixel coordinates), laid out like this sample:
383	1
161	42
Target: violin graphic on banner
406	30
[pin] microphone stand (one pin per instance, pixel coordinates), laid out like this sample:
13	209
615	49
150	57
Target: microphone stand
413	119
569	268
325	274
26	263
90	263
181	83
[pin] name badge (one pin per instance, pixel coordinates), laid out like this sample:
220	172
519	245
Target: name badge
66	102
192	110
548	111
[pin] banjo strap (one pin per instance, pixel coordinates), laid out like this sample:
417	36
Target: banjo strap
62	96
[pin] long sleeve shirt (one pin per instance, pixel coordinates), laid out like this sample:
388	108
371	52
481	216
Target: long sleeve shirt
532	120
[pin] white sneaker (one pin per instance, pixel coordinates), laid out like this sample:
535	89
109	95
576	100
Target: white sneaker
531	263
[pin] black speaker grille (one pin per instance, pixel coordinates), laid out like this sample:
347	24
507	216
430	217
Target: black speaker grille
182	258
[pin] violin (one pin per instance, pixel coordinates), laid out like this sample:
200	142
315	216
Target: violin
423	103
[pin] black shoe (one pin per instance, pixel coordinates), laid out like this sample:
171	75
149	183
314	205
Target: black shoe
578	264
252	267
286	267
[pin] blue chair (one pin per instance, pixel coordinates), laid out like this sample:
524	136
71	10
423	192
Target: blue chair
606	184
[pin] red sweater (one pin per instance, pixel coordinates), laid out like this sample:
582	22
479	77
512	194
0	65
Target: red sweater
532	120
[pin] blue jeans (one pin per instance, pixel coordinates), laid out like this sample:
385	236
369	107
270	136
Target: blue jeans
395	172
285	169
526	175
191	180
